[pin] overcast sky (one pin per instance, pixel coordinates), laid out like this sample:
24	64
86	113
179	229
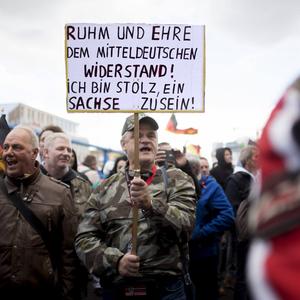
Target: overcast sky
252	51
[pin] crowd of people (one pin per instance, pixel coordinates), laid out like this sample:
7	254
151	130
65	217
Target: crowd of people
167	227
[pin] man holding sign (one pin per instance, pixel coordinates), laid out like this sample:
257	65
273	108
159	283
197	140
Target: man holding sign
166	207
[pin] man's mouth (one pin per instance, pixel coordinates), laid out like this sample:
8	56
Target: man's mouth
11	162
145	149
64	161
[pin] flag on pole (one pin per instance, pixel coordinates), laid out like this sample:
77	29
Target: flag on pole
172	124
172	127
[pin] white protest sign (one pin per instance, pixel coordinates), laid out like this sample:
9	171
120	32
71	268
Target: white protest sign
135	67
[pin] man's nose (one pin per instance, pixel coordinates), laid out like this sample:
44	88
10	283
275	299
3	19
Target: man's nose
143	138
66	152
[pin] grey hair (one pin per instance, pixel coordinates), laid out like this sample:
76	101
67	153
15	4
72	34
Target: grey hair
246	154
125	136
33	137
49	140
194	162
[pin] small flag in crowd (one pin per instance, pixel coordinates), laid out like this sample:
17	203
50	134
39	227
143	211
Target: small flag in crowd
193	149
172	127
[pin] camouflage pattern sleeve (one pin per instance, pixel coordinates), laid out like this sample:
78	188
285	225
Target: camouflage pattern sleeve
81	192
178	210
90	242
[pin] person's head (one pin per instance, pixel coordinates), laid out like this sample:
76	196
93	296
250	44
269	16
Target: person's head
165	155
164	146
57	153
249	158
119	163
224	156
74	161
204	166
147	140
91	162
194	162
20	149
51	128
227	155
44	133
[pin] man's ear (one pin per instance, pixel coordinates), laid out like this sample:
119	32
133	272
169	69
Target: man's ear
123	145
45	153
35	153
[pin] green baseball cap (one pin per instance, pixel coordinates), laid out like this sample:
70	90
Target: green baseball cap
129	123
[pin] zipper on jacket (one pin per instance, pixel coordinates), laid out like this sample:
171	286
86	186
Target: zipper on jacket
49	222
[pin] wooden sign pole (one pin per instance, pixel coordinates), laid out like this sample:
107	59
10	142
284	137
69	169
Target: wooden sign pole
137	173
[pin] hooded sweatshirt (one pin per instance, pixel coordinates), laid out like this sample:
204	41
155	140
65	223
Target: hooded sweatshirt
223	170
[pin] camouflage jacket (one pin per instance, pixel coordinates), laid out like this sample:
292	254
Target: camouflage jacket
104	235
80	189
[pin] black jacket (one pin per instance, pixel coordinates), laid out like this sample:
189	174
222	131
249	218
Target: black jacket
238	188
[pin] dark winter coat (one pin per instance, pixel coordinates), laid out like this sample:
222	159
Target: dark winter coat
25	263
238	188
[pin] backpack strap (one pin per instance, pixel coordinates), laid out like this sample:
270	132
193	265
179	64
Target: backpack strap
165	178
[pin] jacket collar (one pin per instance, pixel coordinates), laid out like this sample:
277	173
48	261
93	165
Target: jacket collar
14	184
70	175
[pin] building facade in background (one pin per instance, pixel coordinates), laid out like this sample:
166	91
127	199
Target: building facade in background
19	113
235	146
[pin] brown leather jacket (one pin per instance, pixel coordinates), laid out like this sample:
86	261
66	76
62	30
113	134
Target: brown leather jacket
24	259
